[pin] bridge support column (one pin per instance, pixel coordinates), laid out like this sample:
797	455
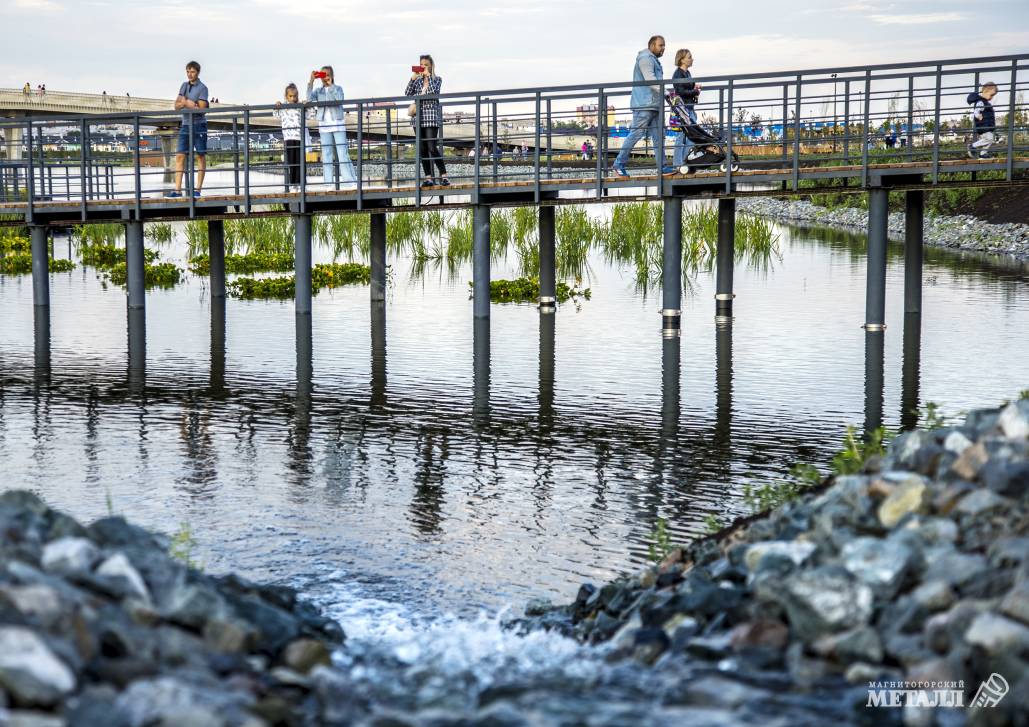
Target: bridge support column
378	256
910	369
725	257
40	265
134	263
137	350
875	280
302	264
548	272
671	273
480	371
913	251
874	364
216	254
480	261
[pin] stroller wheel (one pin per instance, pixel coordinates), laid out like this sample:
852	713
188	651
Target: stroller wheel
721	167
735	166
684	169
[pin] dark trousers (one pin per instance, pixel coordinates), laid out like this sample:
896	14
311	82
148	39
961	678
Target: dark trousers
293	161
430	150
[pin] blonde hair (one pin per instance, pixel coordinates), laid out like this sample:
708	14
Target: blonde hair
987	86
432	63
680	54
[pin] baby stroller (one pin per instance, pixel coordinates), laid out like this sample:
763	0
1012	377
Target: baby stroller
708	150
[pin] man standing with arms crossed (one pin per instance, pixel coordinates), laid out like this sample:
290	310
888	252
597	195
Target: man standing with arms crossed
192	95
645	104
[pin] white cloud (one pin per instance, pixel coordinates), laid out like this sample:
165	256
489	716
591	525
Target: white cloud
917	18
45	6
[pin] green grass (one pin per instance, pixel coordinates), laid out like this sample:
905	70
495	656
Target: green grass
527	290
20	263
330	275
104	234
105	255
159	233
156	275
243	264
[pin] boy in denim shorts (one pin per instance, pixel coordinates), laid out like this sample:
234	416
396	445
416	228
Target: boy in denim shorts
192	95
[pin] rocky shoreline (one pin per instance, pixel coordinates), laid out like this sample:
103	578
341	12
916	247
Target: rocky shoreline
957	232
912	574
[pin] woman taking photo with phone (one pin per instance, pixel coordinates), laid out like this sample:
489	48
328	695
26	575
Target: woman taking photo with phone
331	126
429	114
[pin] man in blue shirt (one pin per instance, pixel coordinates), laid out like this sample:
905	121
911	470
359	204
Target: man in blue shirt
192	95
646	104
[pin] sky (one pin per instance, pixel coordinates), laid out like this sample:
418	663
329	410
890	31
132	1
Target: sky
250	50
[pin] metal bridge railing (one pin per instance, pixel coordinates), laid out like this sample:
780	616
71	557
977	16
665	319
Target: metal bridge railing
797	122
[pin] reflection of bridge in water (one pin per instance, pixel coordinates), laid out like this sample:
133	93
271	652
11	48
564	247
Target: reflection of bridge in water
686	458
841	156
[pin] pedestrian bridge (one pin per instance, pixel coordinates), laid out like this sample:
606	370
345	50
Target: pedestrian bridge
832	125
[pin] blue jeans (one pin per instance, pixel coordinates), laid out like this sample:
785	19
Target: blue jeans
334	144
643	122
682	143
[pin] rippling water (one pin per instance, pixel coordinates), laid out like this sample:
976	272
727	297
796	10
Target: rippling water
446	468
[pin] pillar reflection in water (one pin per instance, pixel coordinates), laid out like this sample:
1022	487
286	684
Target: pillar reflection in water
544	467
671	400
41	342
911	371
874	363
480	371
300	450
723	387
378	326
217	378
137	349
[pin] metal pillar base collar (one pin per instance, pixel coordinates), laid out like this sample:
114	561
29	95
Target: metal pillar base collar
724	296
874	327
547	301
670	312
671	332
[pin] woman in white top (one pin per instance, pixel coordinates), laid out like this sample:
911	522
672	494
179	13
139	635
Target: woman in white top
292	122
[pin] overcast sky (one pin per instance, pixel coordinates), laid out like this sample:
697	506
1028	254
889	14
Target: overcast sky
250	50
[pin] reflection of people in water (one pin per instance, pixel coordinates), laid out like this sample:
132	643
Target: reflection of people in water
433	450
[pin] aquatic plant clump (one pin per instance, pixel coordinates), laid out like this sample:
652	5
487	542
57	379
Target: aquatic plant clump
328	275
105	256
10	241
106	233
20	263
157	275
254	262
160	233
527	290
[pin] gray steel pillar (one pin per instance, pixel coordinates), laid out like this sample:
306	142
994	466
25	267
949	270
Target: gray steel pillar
910	371
913	251
137	350
216	254
548	272
302	263
378	255
217	374
134	263
875	280
546	371
874	364
723	389
480	261
671	278
671	399
40	265
41	342
725	256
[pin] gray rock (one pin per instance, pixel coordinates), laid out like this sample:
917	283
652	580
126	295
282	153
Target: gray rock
997	634
796	551
170	701
70	556
956	442
1014	420
36	600
933	530
30	671
952	566
26	718
910	496
1016	603
303	655
717	691
822	600
981	502
883	565
934	595
860	644
1006	477
1008	551
192	604
118	566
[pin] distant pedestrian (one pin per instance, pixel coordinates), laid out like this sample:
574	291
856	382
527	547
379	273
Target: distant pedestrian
689	92
192	96
42	90
292	122
128	99
645	103
332	126
429	115
26	89
103	100
585	150
984	120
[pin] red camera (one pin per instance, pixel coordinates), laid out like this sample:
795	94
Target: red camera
417	69
320	74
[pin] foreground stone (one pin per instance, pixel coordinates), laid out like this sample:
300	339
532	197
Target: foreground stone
917	569
100	626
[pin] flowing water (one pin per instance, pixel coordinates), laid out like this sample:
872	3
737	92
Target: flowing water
422	477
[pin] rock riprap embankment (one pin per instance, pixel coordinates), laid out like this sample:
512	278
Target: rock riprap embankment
100	626
958	232
916	570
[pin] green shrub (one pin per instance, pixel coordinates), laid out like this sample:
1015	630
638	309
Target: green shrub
527	290
157	275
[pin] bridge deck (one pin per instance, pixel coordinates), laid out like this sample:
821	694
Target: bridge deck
376	194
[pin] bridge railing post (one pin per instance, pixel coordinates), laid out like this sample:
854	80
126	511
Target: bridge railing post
30	187
602	114
846	122
936	124
235	153
360	155
496	150
477	158
796	135
728	144
550	147
303	159
865	130
536	155
137	175
1012	108
246	162
190	183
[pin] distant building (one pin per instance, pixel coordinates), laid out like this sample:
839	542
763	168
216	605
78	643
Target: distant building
587	115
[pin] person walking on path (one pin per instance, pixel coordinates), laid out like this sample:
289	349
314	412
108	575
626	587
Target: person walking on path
429	115
689	92
192	96
984	120
645	103
292	122
331	126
